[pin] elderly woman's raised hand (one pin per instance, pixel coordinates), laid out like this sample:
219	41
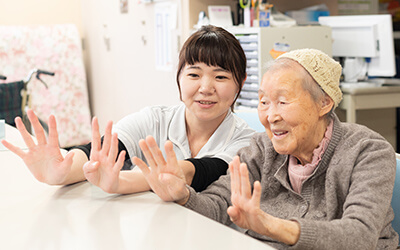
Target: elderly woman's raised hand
44	158
103	168
245	210
165	178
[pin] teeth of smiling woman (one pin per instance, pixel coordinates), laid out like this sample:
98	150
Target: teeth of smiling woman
206	102
279	133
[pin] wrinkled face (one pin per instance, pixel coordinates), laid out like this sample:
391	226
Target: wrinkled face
288	112
207	91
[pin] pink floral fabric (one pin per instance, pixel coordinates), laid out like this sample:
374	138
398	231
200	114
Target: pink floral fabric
55	48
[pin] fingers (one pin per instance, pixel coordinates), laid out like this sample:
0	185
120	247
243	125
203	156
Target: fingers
96	144
240	183
257	192
155	151
14	149
233	213
53	133
147	154
90	166
244	181
24	133
107	139
69	158
112	156
37	127
116	165
235	175
120	161
138	162
232	175
171	156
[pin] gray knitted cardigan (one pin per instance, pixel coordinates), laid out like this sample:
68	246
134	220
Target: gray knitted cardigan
344	204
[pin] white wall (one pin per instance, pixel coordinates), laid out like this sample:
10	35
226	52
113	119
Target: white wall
24	12
123	79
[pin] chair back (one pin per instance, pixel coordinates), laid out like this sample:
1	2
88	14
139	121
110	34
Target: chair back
396	197
251	117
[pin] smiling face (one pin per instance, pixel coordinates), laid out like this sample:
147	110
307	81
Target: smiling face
293	120
207	91
213	46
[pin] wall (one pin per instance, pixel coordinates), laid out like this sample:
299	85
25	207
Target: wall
286	5
23	12
192	8
123	78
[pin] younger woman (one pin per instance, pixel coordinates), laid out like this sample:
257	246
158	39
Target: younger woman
203	130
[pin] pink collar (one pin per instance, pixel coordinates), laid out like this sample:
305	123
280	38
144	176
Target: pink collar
298	173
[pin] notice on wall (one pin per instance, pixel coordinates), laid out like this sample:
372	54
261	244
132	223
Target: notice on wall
123	5
165	25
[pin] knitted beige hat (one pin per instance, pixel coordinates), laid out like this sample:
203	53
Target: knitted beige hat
325	71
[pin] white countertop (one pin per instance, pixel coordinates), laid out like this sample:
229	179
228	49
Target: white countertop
34	215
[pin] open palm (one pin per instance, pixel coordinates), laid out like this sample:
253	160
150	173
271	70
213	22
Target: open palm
44	158
165	178
103	168
245	210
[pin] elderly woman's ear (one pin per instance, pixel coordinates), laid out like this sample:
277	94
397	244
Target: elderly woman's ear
326	106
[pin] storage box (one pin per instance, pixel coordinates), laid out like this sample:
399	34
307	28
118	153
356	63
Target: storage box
304	17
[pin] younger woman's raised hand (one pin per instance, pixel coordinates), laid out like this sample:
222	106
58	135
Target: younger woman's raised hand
103	167
165	178
44	158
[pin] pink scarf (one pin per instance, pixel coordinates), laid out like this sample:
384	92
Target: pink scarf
299	173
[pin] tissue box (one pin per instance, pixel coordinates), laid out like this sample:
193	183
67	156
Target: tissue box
307	16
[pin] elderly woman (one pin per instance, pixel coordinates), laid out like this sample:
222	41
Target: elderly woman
318	183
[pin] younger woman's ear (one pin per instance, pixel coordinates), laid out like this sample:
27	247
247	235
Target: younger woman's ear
244	80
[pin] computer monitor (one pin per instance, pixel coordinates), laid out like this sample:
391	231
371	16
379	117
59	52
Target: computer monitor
366	43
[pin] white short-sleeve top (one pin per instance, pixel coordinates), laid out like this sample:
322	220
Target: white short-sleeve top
168	123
